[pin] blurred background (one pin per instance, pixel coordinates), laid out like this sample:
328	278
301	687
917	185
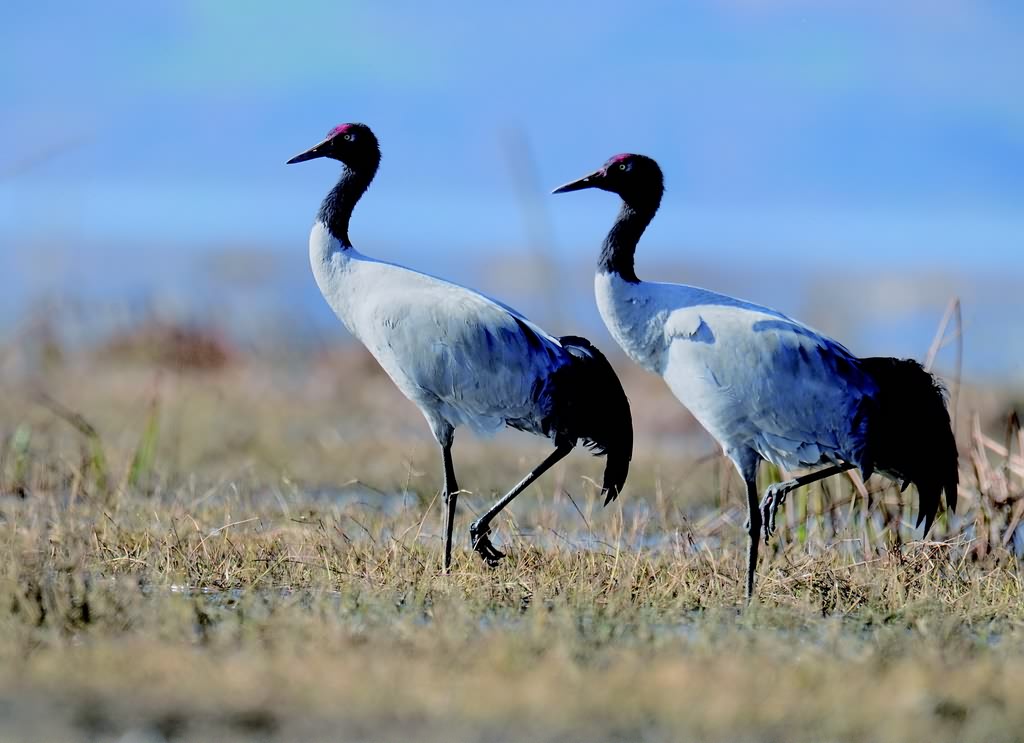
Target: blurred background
855	164
217	513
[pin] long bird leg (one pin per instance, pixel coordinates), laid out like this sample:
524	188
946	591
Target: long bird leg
775	495
753	532
451	497
480	530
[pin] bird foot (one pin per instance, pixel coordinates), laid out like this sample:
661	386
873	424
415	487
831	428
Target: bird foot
480	539
774	497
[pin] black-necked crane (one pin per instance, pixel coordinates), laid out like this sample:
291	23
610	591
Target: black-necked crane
763	385
460	356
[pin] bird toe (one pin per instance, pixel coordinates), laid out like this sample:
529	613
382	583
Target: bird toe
482	545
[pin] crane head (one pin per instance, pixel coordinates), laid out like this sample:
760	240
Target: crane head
354	145
630	176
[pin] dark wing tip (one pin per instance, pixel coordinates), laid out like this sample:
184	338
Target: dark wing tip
929	499
615	472
610	494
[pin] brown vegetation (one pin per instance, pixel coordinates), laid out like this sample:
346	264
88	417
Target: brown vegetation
252	553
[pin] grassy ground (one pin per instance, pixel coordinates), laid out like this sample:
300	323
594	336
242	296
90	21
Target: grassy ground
251	552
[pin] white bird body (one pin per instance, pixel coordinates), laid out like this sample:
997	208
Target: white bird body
462	357
758	381
763	385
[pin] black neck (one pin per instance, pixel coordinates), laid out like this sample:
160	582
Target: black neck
336	209
620	245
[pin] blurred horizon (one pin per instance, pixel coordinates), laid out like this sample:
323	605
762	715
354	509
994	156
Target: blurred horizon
853	164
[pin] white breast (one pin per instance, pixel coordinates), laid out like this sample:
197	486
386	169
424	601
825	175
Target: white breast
634	318
333	269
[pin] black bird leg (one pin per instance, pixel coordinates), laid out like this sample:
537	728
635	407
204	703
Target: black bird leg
754	534
775	495
479	532
451	497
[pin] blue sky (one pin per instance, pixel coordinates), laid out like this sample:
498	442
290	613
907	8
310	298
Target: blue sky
810	137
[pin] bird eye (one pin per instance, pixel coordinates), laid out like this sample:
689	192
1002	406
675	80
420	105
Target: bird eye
347	137
622	166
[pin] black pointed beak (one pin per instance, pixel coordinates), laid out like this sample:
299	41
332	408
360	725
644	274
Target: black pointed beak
588	181
317	150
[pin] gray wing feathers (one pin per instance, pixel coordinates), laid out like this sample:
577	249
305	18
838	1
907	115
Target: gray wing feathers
455	347
808	400
795	396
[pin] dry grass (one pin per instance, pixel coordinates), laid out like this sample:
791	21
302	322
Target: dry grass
251	553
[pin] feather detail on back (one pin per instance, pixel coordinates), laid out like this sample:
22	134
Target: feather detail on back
755	379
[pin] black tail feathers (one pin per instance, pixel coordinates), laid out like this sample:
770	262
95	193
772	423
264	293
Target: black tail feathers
910	436
592	407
